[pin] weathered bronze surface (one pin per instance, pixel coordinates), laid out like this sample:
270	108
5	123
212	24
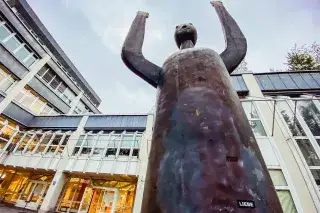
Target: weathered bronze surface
204	157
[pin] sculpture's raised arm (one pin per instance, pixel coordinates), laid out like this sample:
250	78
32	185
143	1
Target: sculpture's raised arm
132	52
236	42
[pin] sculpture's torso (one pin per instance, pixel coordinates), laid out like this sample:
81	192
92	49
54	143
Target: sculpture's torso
203	145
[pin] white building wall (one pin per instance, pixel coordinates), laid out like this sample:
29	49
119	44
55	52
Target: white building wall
299	183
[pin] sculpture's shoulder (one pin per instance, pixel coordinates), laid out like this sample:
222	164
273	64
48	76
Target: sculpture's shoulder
193	53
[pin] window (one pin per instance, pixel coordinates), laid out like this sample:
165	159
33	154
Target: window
55	83
310	80
302	84
311	115
12	43
4	33
277	82
286	201
265	82
22	53
287	80
30	61
290	118
43	143
6	80
235	83
78	145
48	76
88	144
31	100
308	152
254	120
32	144
53	146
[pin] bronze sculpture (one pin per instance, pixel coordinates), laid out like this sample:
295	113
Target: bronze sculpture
204	157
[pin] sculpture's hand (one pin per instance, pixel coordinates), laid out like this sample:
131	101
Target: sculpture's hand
132	52
214	3
142	13
236	42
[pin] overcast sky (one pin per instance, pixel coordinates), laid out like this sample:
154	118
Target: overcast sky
91	32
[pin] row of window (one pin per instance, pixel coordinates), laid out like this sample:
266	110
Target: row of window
61	89
56	83
16	45
289	81
105	145
34	102
31	142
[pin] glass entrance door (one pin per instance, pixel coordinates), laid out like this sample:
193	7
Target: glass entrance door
99	200
31	195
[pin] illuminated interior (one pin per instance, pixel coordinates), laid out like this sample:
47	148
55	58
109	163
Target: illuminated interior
97	195
22	185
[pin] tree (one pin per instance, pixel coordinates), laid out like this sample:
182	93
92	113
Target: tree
242	68
302	58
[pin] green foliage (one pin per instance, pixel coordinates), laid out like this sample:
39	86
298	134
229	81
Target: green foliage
301	58
301	61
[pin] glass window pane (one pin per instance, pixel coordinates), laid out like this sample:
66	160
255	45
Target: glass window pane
250	109
299	81
310	80
12	44
235	83
22	53
62	88
311	116
286	202
242	83
308	152
316	176
45	110
36	107
27	100
4	33
257	128
48	76
277	82
30	61
290	118
42	70
127	141
277	178
265	82
6	84
55	82
287	80
316	76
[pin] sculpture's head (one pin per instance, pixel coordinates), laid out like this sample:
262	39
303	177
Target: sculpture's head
185	32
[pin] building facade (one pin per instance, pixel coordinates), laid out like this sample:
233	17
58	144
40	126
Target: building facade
59	154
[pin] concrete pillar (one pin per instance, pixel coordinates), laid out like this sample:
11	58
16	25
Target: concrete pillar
14	91
53	193
143	156
59	179
303	195
75	102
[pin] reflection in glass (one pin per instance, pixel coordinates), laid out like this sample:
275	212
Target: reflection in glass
316	176
311	115
290	119
257	128
250	109
286	201
308	152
